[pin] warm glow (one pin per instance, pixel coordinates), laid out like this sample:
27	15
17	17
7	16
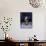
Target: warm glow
6	35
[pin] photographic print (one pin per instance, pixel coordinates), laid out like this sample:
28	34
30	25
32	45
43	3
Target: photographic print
26	19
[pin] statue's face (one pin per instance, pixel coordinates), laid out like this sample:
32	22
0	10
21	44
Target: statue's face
26	19
35	3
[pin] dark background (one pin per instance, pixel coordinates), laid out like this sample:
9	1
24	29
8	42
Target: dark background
24	14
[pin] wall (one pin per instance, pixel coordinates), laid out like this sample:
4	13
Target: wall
12	8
